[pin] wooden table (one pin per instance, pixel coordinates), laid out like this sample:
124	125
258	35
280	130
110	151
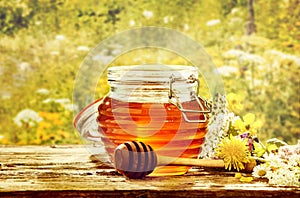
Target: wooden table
69	171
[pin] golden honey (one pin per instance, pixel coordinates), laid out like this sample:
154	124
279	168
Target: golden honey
159	125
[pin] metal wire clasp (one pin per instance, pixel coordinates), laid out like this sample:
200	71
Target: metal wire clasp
203	108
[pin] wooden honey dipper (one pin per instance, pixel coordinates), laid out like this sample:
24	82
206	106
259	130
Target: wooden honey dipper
135	160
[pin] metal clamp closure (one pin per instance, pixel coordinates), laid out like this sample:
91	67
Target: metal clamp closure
203	108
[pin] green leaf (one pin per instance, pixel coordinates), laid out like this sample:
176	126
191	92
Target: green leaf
271	147
277	142
259	149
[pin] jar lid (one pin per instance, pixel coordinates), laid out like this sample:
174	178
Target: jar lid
150	83
150	73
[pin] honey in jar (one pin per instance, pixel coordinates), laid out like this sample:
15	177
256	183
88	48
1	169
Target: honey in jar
155	104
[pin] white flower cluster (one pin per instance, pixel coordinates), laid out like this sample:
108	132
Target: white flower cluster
283	56
220	120
27	116
24	67
244	56
132	23
83	48
148	14
60	37
212	138
282	169
284	176
43	91
213	22
287	152
186	27
227	70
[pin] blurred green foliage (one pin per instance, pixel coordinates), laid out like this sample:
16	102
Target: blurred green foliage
43	43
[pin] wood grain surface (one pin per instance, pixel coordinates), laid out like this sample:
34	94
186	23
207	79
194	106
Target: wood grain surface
70	171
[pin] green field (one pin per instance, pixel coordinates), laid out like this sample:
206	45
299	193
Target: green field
43	43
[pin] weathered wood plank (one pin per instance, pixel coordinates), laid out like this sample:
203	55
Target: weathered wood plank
68	171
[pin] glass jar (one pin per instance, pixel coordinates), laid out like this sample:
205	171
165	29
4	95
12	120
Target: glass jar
155	104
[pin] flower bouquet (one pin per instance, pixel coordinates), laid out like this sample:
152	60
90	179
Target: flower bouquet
235	140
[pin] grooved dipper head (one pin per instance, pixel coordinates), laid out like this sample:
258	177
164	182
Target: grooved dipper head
134	159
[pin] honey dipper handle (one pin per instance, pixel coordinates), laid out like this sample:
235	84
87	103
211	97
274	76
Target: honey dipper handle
163	160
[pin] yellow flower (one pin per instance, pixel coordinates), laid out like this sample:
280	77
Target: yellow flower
234	152
44	125
248	124
54	118
41	136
